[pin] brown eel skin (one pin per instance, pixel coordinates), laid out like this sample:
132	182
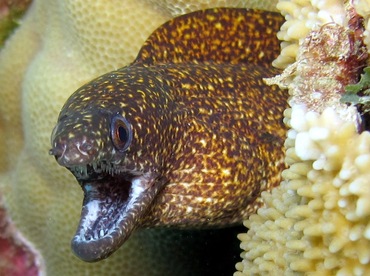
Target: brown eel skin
188	135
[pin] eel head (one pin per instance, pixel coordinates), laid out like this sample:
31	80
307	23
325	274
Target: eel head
101	148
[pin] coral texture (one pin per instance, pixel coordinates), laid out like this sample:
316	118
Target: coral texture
302	16
60	46
363	8
317	220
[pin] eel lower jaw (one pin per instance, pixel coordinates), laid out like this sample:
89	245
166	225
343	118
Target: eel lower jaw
112	209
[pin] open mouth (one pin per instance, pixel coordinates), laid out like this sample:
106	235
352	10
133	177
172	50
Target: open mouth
112	208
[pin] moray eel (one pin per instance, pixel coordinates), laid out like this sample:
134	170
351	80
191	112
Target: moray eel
187	135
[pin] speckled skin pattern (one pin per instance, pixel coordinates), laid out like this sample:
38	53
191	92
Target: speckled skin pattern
187	135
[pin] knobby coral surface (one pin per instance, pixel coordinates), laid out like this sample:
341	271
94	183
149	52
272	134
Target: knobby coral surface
60	46
302	16
317	221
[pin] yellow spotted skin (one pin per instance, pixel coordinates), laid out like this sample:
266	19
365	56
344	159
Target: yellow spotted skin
229	145
219	35
207	132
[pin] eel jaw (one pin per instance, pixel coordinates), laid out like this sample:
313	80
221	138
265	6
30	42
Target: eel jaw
112	209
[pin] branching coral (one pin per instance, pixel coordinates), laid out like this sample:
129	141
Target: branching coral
329	58
363	8
302	16
317	221
60	46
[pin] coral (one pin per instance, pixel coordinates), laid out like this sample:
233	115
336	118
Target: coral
329	58
60	46
363	8
302	16
318	219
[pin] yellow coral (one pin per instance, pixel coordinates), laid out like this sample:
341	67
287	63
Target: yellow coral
318	220
60	46
302	16
363	8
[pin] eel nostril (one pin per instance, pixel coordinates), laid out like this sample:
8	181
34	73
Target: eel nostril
57	151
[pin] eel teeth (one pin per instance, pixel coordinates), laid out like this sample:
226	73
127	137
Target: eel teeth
102	166
82	171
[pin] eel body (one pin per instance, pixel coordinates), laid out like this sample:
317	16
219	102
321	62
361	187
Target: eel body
187	135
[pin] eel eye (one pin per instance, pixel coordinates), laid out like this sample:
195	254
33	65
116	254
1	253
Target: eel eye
121	133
